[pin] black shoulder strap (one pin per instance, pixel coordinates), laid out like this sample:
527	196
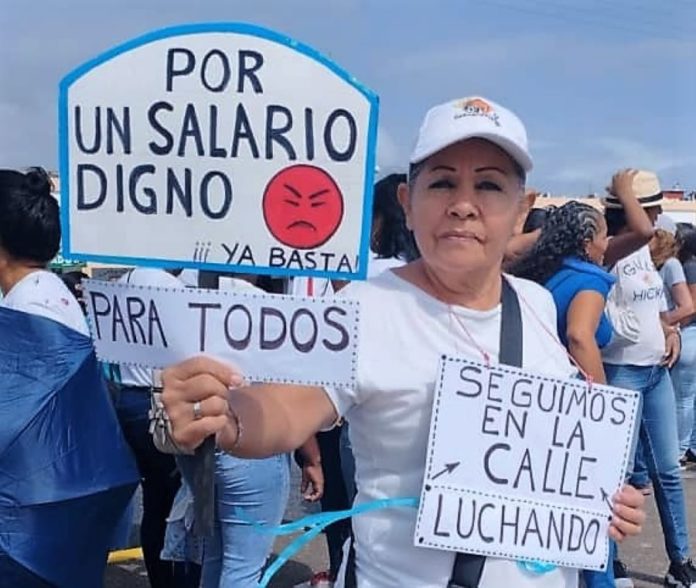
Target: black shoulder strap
467	569
510	327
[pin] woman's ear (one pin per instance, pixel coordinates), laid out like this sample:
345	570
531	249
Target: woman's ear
403	193
526	204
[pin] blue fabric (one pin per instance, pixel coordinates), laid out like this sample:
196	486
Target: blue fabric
603	579
66	473
576	276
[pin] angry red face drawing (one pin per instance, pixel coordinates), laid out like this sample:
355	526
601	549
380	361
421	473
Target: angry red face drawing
302	206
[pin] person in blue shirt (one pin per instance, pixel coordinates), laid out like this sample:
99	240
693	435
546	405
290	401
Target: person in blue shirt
567	259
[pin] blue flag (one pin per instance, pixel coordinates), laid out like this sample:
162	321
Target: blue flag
66	472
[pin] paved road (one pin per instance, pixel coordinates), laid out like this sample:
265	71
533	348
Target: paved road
645	555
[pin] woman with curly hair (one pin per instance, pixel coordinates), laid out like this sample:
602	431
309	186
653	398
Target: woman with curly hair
567	260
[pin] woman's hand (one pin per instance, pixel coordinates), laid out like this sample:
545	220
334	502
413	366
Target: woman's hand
195	396
312	487
672	348
622	184
628	514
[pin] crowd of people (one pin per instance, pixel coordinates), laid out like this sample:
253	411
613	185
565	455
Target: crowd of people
606	294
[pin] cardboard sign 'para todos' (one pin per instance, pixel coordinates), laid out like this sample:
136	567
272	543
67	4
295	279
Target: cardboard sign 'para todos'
218	146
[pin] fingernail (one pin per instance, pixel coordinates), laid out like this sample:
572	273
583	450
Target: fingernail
236	381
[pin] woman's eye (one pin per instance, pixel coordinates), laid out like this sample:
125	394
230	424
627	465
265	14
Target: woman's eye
488	186
443	184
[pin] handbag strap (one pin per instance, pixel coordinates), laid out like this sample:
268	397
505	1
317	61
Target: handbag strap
467	569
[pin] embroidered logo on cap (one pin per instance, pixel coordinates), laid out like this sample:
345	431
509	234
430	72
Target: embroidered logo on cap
476	107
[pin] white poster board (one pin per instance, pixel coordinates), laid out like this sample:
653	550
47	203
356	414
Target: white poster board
223	147
269	338
523	466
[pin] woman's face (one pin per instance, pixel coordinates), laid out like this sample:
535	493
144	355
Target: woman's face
597	246
463	206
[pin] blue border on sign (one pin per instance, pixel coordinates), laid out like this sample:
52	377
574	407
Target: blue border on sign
219	27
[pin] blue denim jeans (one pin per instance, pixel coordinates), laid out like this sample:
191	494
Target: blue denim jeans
640	477
684	376
603	579
660	447
246	491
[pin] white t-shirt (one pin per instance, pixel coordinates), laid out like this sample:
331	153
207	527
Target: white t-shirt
43	293
403	333
642	290
134	375
378	265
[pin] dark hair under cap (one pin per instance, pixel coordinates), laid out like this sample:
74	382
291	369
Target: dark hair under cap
686	237
29	216
536	219
393	240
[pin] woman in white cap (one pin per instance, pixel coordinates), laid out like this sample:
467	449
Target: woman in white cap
664	249
638	357
464	196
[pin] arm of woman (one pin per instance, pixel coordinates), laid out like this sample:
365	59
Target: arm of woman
687	319
640	229
248	421
519	245
683	304
312	486
583	319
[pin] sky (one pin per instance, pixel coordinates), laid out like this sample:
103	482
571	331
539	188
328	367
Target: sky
600	84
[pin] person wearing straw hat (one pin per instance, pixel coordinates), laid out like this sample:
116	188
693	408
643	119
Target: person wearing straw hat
639	356
463	200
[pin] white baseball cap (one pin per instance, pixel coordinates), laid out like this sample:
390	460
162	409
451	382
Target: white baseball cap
666	223
468	118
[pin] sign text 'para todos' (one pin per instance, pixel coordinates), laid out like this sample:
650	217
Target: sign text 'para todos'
269	338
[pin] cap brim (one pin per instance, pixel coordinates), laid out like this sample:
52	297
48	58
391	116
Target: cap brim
511	148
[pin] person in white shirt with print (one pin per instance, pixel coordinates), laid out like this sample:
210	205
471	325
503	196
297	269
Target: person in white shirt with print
463	200
639	359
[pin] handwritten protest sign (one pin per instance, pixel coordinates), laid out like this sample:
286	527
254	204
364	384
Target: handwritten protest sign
267	337
218	146
524	466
